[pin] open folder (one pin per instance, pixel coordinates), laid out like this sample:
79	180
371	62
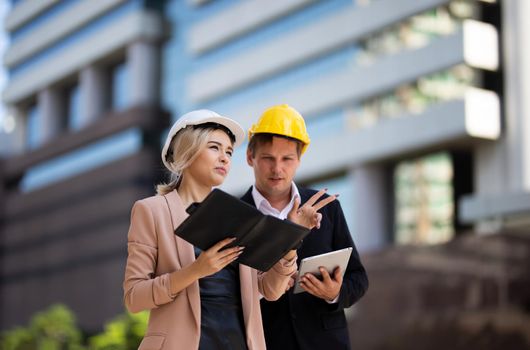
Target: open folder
266	238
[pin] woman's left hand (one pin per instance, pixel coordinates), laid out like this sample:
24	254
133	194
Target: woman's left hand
307	215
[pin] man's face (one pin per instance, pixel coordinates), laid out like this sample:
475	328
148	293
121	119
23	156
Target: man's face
274	166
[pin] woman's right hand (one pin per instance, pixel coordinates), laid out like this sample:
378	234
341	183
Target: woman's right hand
215	259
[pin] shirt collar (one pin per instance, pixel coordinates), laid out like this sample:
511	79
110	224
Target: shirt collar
259	200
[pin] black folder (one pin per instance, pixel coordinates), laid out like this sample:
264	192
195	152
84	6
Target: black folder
266	238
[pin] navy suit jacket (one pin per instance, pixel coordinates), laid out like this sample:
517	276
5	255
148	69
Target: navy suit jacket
302	321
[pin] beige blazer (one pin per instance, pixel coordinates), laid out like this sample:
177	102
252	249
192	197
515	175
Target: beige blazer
154	251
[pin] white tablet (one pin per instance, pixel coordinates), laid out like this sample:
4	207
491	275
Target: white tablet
330	261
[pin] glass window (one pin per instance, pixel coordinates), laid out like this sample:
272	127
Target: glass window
424	207
99	153
120	79
73	107
33	126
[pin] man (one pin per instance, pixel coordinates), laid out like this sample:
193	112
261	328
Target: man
314	319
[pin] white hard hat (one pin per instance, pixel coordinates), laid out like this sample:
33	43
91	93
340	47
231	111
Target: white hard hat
198	117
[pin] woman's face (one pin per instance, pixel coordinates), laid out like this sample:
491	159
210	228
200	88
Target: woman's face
213	162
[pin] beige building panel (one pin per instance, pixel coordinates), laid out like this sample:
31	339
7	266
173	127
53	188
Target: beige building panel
294	48
139	25
24	11
353	85
57	28
442	124
238	20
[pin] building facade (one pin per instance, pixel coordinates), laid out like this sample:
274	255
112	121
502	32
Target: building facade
391	84
83	91
417	113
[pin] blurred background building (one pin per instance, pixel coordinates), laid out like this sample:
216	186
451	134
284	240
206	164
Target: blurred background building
418	112
83	92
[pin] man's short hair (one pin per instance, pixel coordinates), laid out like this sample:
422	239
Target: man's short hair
257	140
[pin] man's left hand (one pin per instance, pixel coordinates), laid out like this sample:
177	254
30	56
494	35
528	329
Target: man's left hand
328	288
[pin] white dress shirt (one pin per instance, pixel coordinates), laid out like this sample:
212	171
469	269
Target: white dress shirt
265	207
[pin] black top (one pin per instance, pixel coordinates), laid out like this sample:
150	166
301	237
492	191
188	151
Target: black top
222	324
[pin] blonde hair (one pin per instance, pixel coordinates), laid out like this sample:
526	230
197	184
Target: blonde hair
185	148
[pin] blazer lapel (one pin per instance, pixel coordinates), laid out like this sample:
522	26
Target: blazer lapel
247	289
185	252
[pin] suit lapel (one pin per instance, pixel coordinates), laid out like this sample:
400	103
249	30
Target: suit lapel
247	197
185	252
304	195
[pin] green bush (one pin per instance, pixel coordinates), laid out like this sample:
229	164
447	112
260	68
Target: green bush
125	332
52	329
55	329
17	339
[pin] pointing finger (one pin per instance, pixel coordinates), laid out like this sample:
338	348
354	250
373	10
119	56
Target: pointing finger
315	197
324	202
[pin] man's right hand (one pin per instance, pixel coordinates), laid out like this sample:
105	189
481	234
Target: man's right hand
307	215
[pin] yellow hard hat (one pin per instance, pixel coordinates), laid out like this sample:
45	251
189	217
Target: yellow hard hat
282	120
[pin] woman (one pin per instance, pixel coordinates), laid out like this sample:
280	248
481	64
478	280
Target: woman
197	299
